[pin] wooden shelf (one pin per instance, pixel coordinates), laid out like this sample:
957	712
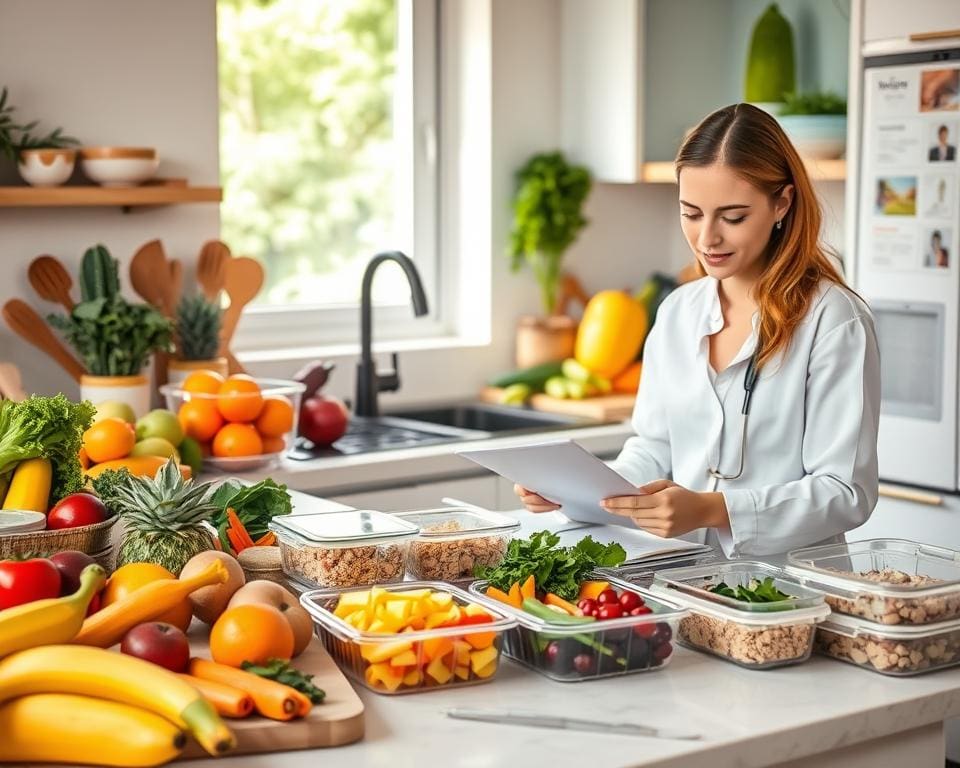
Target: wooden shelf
819	170
158	192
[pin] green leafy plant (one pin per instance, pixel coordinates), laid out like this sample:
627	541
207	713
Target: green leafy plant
547	218
813	103
755	592
112	336
281	671
15	136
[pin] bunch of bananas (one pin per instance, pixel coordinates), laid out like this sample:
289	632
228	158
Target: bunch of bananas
77	704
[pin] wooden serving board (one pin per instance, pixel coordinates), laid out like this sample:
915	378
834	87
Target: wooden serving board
338	721
602	407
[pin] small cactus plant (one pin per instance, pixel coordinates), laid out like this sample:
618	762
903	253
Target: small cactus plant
198	328
99	277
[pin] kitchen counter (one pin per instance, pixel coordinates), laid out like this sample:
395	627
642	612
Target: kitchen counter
822	713
379	469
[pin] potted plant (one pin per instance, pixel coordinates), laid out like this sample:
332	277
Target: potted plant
43	161
113	338
198	322
547	217
816	122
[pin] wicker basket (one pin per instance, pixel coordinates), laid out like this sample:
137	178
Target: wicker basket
92	539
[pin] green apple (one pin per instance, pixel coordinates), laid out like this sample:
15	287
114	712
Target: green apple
191	454
160	423
116	409
154	446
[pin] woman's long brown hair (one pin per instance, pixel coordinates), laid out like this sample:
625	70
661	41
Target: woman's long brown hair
751	143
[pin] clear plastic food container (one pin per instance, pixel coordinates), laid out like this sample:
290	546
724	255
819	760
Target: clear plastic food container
603	648
410	661
753	635
887	581
891	650
454	540
343	549
641	574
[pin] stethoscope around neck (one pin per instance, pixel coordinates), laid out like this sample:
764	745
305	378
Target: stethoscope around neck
749	382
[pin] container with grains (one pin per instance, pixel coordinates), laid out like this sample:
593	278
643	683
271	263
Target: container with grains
455	540
887	581
343	549
897	650
755	635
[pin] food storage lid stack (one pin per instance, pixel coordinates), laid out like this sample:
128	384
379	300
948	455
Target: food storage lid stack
445	523
334	530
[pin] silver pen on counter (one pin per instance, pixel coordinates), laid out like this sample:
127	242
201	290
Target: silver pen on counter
507	717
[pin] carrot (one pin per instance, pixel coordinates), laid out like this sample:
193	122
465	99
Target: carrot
304	703
267	540
226	699
237	525
234	540
271	699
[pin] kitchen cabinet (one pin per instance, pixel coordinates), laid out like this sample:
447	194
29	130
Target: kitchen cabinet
902	519
637	74
885	20
481	491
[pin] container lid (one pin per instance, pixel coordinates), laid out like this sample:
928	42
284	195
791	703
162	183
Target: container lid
21	521
448	523
852	626
353	528
857	568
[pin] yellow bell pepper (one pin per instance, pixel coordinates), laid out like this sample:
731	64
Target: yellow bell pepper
611	332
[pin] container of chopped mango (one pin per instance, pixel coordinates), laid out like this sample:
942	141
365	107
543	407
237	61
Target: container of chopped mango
409	637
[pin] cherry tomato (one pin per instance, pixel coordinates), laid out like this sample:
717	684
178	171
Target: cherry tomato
588	606
607	596
23	581
630	600
645	631
640	610
610	611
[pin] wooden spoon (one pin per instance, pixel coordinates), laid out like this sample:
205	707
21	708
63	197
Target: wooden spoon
243	281
150	275
11	385
51	281
27	324
211	268
175	287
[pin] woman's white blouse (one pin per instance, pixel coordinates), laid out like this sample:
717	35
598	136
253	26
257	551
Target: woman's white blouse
810	465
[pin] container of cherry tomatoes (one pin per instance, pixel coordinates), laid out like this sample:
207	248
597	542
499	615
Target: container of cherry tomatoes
621	630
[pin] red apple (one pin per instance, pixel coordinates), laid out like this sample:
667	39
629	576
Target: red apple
323	419
75	510
160	643
70	563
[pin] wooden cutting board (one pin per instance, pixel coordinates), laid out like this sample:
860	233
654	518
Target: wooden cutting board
609	408
338	721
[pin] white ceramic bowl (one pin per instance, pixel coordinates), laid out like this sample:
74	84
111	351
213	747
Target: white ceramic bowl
46	167
119	166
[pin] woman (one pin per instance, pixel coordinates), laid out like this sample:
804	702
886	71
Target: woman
802	468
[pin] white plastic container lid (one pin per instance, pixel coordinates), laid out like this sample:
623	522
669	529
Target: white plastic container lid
338	530
21	521
851	626
470	522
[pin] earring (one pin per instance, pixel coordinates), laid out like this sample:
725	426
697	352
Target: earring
779	223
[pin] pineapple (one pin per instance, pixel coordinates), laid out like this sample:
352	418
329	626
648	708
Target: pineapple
164	518
198	328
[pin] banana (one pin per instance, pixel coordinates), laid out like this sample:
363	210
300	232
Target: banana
103	674
63	728
49	622
30	486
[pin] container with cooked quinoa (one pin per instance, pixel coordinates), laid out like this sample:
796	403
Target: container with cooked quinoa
343	549
898	650
726	621
887	581
455	540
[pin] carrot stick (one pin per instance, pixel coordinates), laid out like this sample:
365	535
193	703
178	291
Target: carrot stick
234	539
226	699
239	527
304	703
267	540
271	699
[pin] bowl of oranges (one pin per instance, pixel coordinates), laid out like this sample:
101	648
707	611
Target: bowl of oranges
241	423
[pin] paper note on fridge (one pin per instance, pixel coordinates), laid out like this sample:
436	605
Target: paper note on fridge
562	472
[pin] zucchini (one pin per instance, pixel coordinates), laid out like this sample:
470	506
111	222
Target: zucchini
534	377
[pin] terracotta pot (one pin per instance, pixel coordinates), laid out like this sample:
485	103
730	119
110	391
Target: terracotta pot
132	390
178	370
544	339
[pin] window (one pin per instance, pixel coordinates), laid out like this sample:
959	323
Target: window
328	156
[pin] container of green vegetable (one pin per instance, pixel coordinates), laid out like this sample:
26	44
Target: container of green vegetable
747	612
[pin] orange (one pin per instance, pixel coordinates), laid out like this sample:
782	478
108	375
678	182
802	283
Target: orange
276	418
109	439
131	577
239	398
252	632
237	440
273	444
200	418
203	382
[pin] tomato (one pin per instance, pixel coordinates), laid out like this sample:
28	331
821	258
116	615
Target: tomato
607	596
23	581
610	611
629	601
75	510
588	606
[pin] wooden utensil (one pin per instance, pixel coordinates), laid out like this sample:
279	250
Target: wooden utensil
150	275
211	268
175	287
11	385
243	280
51	281
26	323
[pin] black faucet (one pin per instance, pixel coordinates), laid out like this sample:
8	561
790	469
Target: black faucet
369	382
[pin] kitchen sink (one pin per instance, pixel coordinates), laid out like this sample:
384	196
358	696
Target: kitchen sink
453	423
